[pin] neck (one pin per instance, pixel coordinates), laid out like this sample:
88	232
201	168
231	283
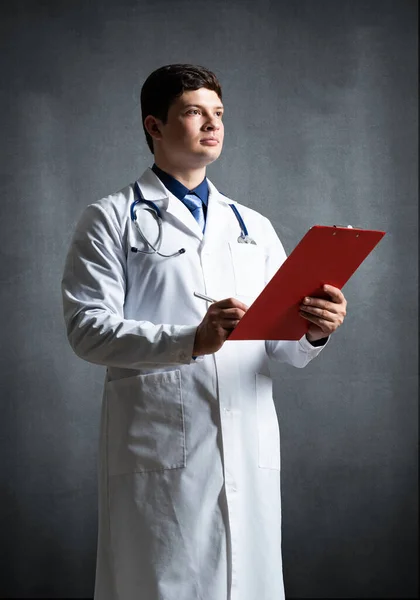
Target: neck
191	178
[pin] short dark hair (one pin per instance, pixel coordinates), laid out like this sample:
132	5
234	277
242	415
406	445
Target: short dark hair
167	83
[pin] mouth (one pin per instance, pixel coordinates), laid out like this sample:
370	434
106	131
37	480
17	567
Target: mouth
209	141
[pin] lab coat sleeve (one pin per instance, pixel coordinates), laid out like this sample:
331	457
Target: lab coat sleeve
296	353
93	291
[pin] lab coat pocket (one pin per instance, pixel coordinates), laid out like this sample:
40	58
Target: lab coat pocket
268	427
145	423
248	262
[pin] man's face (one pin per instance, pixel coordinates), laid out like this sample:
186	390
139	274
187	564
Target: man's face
193	134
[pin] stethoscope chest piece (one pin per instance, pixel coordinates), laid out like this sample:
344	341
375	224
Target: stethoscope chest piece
246	239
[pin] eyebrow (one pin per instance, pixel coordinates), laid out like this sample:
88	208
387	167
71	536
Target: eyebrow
200	106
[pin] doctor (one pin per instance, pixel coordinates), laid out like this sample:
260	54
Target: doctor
189	476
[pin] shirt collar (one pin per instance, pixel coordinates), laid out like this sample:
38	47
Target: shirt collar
178	189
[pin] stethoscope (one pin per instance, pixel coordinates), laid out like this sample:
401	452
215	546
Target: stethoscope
244	238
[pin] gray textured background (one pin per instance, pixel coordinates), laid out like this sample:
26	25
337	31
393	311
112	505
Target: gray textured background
321	127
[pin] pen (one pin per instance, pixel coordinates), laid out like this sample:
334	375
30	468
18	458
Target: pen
204	297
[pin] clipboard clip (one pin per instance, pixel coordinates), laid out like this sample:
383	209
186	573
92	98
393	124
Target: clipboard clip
347	227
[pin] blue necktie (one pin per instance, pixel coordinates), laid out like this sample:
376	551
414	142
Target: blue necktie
195	205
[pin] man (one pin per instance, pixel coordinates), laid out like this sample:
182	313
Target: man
189	491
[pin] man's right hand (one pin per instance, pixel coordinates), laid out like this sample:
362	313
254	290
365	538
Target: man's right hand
221	318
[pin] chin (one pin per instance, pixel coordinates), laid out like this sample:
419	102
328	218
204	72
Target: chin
199	157
210	154
207	160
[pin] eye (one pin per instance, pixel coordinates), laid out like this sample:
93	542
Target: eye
193	111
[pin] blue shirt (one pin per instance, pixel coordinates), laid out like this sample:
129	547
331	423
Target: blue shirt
180	191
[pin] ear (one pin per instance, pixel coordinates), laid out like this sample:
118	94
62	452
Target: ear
152	126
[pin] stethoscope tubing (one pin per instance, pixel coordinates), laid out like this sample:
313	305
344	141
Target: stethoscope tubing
154	209
244	230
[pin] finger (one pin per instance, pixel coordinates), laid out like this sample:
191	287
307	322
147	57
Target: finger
231	313
231	303
317	314
316	306
225	315
326	325
335	293
226	322
322	322
229	324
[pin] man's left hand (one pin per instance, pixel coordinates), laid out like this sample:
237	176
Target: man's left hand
325	316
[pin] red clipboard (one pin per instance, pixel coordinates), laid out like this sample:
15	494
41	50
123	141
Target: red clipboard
325	255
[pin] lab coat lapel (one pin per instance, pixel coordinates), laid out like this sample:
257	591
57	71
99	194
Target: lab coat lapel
179	211
219	218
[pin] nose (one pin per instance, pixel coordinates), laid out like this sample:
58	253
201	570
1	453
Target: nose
212	125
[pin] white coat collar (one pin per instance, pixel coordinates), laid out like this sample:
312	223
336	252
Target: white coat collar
153	189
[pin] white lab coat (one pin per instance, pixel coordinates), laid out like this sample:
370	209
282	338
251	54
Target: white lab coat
189	475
